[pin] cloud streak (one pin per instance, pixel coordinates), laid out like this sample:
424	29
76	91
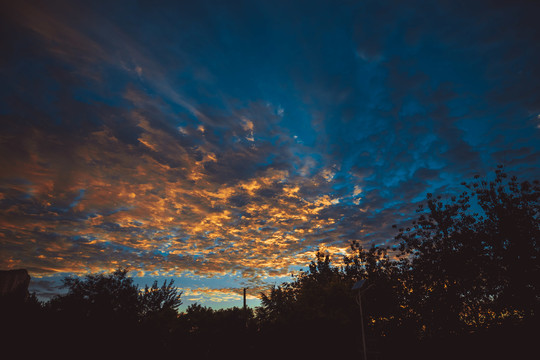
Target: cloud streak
205	141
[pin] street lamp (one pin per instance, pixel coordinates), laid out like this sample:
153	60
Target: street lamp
358	287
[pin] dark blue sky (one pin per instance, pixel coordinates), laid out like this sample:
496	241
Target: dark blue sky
223	142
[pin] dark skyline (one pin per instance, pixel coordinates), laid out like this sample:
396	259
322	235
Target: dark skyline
222	142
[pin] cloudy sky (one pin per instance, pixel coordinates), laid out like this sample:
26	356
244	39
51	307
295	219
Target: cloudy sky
220	143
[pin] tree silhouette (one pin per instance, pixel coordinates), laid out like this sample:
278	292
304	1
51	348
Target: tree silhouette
473	259
384	279
100	297
217	333
107	311
512	238
99	313
156	300
316	308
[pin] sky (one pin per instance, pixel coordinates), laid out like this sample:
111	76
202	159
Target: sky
221	143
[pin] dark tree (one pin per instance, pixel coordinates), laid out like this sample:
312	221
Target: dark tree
315	295
511	228
100	297
158	300
98	314
473	259
108	311
385	293
158	314
317	308
218	333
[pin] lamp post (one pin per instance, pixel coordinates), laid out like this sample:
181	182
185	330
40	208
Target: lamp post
358	288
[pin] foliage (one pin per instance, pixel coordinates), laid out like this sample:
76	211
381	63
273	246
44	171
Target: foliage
311	297
210	333
474	259
512	240
115	296
157	300
99	296
201	319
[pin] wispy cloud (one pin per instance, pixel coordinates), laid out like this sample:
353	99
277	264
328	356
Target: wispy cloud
183	141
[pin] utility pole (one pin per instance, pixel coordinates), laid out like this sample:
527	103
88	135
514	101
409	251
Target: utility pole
245	305
358	287
245	308
359	300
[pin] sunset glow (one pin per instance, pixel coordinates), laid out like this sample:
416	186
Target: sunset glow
222	144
